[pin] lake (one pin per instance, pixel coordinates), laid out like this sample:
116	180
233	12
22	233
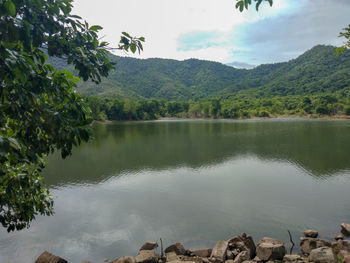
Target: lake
190	181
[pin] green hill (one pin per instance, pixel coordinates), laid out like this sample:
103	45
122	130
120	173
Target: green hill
316	71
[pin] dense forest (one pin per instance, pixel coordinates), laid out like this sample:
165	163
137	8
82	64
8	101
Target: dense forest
316	83
316	71
237	107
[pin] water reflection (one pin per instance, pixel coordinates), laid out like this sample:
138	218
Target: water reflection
320	147
191	181
194	206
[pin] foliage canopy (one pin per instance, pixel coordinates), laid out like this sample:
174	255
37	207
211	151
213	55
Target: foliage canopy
317	71
40	112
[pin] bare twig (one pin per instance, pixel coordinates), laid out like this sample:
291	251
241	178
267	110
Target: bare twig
291	240
161	248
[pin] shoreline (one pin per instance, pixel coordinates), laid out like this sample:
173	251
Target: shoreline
281	117
240	249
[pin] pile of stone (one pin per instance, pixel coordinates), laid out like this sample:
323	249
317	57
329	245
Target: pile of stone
241	249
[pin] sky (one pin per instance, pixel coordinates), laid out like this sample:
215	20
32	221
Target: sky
215	30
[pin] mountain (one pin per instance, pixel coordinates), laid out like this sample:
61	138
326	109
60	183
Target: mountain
237	64
316	71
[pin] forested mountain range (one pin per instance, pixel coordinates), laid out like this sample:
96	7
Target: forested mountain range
316	71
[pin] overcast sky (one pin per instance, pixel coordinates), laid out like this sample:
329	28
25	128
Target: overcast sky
215	30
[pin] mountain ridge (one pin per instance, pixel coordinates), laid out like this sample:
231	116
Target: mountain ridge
316	71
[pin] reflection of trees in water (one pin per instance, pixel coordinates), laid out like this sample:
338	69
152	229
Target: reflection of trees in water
319	147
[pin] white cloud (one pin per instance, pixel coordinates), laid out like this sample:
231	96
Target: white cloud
163	22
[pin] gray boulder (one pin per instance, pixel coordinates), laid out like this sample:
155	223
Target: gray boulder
204	253
218	253
243	256
125	259
243	242
307	244
171	256
229	254
147	256
293	258
311	233
149	245
178	248
342	254
342	245
47	257
345	229
270	249
182	261
257	259
339	237
322	255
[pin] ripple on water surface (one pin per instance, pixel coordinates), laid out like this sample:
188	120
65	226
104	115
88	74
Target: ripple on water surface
194	182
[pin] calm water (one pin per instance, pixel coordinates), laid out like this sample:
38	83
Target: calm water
190	181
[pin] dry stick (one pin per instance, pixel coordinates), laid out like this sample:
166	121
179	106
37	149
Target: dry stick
291	240
161	248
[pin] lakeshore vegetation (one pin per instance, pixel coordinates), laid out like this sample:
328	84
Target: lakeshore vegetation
315	84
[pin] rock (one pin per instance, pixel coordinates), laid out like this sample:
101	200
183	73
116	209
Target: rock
229	255
345	229
147	256
177	248
346	259
342	253
243	242
243	256
188	258
270	249
307	244
339	237
204	253
85	261
47	257
149	245
218	253
322	255
229	261
125	259
311	233
171	256
257	259
341	245
180	261
235	252
292	258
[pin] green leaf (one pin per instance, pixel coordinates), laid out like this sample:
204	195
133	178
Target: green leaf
240	5
133	47
126	34
11	8
95	28
258	4
140	46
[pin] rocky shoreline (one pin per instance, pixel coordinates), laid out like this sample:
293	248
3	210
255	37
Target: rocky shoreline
240	249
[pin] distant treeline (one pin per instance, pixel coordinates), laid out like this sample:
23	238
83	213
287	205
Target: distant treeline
128	109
